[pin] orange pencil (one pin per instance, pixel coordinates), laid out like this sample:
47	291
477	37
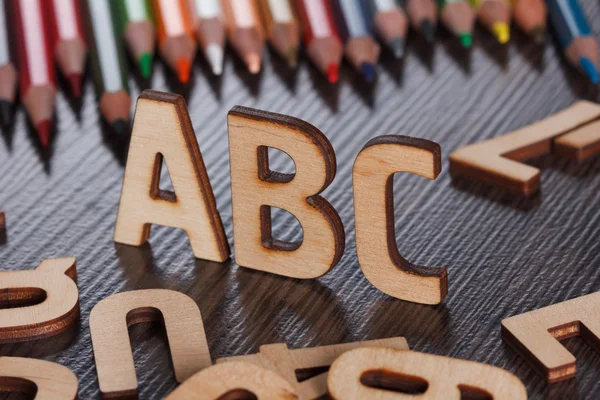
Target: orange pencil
175	31
245	31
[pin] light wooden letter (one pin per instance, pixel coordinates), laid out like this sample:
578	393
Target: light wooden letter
378	254
235	380
162	130
255	189
382	374
44	379
285	362
499	161
51	285
535	334
110	319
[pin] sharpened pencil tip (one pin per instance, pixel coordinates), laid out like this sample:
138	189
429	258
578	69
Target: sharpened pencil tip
76	84
466	39
428	30
589	69
214	55
145	64
184	68
397	47
333	72
368	71
292	57
6	114
538	34
43	130
502	32
120	128
253	61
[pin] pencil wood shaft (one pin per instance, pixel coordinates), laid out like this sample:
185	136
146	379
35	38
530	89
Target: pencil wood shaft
245	31
390	22
281	28
210	32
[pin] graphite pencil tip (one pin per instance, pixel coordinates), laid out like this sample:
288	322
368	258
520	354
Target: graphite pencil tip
214	55
502	32
368	71
184	68
43	130
589	69
253	61
145	64
6	114
333	73
76	83
292	57
120	128
397	47
466	39
538	34
428	30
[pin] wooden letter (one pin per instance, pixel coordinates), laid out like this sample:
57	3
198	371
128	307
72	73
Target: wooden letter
255	189
498	161
285	362
535	334
110	319
366	374
38	303
162	129
378	254
235	380
44	379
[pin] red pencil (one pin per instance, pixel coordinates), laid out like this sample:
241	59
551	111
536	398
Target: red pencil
67	40
321	37
36	69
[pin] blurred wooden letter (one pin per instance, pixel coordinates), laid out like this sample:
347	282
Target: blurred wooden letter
39	378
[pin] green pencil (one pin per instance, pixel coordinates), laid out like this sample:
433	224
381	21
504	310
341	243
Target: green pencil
137	27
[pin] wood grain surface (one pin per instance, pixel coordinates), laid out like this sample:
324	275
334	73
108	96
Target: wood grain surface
504	255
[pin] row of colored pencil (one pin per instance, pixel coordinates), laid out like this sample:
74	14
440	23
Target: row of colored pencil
35	33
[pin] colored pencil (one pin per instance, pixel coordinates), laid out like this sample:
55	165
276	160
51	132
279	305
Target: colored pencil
390	22
210	32
458	16
495	16
530	16
321	38
68	42
423	17
282	28
245	31
176	42
36	68
137	27
360	48
109	68
575	36
8	72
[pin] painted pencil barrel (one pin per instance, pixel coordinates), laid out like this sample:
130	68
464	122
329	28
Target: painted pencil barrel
351	19
568	20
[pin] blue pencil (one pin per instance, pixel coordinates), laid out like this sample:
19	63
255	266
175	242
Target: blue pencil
575	36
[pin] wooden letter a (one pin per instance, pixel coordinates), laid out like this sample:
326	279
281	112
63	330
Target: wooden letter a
162	129
255	189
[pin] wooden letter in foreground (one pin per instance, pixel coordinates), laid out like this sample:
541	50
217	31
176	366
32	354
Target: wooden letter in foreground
234	380
366	374
110	319
162	130
535	334
54	295
44	379
255	189
285	362
499	161
378	254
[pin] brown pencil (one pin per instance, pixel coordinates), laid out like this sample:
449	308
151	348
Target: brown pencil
423	17
530	16
8	72
282	28
210	32
68	43
245	31
495	15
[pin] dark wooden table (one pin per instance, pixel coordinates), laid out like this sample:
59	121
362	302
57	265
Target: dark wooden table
504	255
